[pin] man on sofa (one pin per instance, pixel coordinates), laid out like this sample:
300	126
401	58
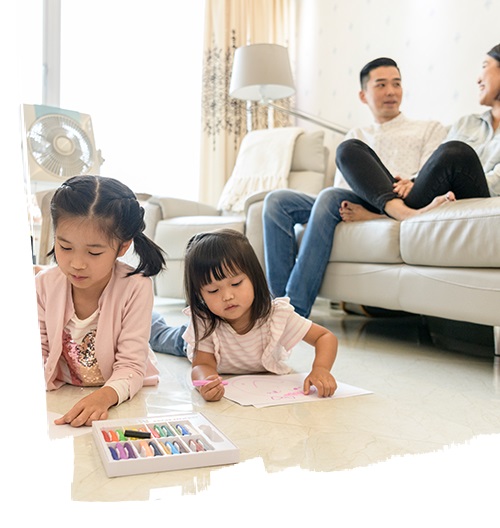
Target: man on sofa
404	145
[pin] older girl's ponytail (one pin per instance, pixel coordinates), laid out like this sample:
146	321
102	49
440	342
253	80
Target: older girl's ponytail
151	259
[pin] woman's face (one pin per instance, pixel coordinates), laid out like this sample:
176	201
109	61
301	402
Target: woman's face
489	82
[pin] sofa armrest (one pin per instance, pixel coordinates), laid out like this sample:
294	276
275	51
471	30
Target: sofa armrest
159	208
174	207
255	198
253	225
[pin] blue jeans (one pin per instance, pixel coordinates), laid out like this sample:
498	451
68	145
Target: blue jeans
167	339
293	271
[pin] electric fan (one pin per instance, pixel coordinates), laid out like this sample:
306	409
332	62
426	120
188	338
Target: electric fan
58	143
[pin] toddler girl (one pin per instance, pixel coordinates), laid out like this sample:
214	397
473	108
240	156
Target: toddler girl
236	327
94	310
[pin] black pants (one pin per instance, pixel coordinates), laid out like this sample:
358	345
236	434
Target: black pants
454	166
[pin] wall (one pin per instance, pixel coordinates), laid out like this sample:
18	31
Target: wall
438	44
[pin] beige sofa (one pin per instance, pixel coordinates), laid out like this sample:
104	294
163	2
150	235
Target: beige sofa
444	263
171	222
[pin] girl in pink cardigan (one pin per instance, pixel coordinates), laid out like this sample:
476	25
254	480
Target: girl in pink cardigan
94	310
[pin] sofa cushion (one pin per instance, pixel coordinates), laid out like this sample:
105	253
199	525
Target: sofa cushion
308	182
373	241
308	153
464	234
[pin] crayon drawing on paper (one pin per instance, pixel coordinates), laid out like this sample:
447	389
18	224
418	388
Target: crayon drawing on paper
269	389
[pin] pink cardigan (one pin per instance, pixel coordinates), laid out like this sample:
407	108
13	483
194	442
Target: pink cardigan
124	326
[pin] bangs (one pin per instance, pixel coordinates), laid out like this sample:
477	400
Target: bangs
212	259
217	269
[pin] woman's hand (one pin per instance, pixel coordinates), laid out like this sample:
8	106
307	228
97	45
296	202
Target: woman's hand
93	407
402	187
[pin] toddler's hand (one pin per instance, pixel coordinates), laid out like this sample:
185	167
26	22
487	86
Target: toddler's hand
323	380
214	390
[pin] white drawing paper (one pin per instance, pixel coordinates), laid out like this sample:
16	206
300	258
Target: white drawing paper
267	390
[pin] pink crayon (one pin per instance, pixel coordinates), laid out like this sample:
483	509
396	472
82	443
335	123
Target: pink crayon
201	383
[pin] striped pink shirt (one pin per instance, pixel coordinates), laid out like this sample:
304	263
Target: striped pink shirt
265	348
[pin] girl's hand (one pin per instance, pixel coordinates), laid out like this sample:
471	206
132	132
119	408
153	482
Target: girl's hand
214	390
93	407
323	380
325	344
205	368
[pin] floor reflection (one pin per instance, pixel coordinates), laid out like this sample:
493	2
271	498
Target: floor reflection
425	397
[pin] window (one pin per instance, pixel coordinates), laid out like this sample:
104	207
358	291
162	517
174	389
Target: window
136	68
28	50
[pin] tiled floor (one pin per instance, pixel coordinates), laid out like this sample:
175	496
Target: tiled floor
424	399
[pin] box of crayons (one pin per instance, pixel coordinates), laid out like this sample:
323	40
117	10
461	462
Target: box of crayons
171	442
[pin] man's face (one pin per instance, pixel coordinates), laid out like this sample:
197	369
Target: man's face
383	93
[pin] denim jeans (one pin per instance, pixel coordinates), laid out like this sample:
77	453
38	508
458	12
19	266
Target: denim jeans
167	339
293	271
454	166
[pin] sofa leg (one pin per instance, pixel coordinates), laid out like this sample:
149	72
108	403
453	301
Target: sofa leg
496	359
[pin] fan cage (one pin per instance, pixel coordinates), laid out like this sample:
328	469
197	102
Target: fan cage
59	145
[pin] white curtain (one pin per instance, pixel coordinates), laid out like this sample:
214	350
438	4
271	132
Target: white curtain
230	24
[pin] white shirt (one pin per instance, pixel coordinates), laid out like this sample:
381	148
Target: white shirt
403	145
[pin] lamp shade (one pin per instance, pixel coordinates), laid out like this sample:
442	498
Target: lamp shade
261	72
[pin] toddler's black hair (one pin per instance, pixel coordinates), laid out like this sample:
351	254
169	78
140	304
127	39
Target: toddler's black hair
217	255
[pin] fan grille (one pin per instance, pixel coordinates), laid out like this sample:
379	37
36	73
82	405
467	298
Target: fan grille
60	146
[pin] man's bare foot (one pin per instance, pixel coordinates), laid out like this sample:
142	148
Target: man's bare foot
351	212
398	210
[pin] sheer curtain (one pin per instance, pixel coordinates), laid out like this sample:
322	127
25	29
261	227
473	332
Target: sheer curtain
230	24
